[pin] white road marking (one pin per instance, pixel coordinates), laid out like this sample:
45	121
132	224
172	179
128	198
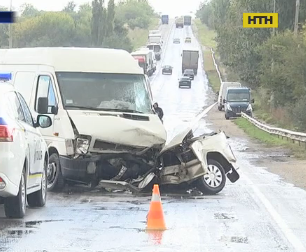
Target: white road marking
288	233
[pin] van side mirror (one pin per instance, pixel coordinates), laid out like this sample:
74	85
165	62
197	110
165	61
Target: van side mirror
42	105
43	121
224	101
252	100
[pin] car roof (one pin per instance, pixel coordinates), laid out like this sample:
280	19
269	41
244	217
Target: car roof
6	87
233	88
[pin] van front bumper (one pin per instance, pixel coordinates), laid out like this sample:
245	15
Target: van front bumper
80	169
229	113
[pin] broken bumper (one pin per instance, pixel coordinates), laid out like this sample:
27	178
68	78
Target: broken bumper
79	169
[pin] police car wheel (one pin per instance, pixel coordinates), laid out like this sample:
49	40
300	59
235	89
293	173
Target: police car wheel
38	199
15	207
55	178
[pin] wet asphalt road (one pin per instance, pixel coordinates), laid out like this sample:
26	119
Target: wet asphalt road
258	213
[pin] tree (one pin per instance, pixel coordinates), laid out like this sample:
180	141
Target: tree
110	17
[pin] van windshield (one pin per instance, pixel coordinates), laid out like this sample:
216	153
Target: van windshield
238	96
103	91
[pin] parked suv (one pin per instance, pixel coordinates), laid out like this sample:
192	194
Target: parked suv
23	154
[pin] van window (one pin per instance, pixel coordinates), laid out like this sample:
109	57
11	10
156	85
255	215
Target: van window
45	89
238	95
23	83
113	92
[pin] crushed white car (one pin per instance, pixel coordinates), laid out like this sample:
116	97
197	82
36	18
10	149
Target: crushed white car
203	162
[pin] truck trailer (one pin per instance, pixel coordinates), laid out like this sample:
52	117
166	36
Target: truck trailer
190	59
165	19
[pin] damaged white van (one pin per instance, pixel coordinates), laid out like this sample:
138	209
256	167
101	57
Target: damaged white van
100	103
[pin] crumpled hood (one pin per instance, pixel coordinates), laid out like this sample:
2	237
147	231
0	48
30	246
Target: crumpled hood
110	127
178	139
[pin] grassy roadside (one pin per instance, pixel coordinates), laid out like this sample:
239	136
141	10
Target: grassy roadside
139	37
206	38
270	140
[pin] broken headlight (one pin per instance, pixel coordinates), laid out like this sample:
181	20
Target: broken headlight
82	144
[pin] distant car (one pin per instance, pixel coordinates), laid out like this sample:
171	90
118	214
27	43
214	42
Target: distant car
176	41
167	69
187	40
24	154
189	73
184	82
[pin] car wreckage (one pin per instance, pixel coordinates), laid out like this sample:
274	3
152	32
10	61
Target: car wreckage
201	162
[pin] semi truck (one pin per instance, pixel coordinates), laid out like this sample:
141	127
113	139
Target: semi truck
156	48
155	38
165	19
145	61
179	22
187	20
190	59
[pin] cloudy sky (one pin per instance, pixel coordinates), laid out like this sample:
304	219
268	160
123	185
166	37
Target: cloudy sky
171	7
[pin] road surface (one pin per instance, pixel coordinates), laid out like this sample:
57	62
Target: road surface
258	213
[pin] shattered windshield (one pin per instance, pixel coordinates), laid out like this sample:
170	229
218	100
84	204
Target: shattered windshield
104	91
238	97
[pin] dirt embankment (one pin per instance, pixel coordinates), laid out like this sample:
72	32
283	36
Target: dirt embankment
278	161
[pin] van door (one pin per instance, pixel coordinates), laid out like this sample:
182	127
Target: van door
45	88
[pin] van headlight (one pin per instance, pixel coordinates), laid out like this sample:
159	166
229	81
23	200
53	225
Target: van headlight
228	107
82	144
249	108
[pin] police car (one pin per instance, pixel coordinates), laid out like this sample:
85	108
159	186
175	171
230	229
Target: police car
23	153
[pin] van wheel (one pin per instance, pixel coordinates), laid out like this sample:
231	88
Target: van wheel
55	178
38	199
15	207
226	117
219	108
214	181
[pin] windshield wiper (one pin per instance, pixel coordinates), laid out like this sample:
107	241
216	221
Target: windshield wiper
82	107
122	110
105	109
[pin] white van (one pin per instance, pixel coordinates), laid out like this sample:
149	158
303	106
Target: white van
223	90
100	103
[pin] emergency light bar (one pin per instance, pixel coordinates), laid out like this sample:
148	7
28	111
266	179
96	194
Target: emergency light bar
6	76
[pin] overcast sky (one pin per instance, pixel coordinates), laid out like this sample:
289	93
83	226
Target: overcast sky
171	7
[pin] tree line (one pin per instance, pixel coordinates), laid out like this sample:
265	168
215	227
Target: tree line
92	25
270	61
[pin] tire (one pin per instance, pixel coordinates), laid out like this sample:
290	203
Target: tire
15	207
203	184
226	117
39	198
55	180
219	108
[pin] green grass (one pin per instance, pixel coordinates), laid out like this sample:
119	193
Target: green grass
205	35
139	37
206	38
269	139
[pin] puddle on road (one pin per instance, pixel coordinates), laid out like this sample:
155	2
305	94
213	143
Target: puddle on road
235	239
223	216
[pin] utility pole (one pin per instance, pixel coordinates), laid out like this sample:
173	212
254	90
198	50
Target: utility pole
296	20
274	10
10	28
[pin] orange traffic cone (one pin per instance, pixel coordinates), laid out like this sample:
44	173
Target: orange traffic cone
155	217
